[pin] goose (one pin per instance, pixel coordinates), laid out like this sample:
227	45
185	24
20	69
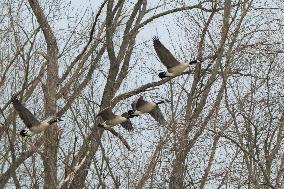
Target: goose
33	125
174	67
110	119
141	106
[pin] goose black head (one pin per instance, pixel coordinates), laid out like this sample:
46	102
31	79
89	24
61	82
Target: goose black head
162	75
25	133
194	62
162	101
131	113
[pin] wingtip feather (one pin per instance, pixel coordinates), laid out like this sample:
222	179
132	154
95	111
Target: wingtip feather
156	39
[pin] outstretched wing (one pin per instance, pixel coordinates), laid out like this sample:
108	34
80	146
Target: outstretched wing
133	104
127	124
138	103
164	54
27	117
106	114
157	114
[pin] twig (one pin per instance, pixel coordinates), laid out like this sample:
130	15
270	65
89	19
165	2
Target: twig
68	70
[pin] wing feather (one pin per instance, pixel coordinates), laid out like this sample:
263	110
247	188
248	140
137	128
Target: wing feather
106	114
164	54
127	125
139	103
27	117
134	103
157	114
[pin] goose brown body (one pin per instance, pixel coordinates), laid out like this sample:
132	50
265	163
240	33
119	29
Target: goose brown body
39	128
141	106
110	119
178	69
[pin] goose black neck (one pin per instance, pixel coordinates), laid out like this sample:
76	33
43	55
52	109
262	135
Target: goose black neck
193	62
53	121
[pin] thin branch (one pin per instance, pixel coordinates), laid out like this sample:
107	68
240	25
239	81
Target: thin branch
120	137
69	68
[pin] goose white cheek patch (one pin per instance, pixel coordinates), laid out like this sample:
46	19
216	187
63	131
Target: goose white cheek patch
137	112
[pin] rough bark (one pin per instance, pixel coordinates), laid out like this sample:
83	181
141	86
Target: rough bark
51	141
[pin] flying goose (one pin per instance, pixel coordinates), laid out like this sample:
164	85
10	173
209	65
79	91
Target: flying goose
33	125
174	67
110	119
141	106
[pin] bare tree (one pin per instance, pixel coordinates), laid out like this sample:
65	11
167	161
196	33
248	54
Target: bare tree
225	117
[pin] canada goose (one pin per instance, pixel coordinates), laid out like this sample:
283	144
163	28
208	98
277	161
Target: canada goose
174	67
33	125
110	119
141	106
